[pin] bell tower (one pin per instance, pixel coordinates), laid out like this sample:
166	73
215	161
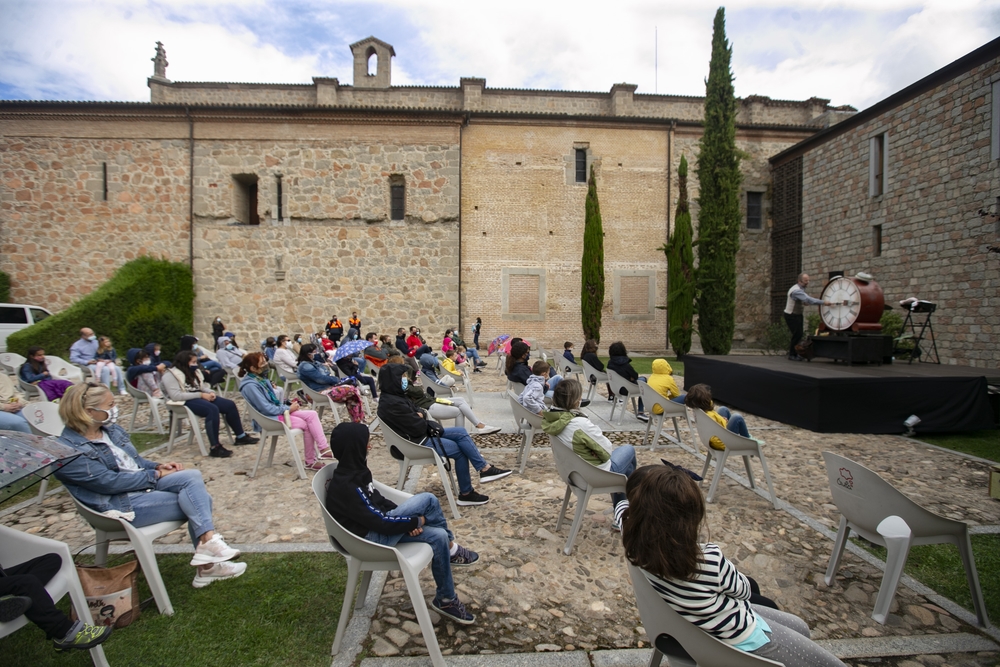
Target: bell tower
369	74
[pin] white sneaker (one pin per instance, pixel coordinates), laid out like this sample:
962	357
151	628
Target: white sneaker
214	551
218	572
487	429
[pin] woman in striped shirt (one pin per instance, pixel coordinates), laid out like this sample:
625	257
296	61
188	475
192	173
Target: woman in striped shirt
661	523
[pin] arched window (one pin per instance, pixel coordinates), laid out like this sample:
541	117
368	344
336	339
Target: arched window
371	55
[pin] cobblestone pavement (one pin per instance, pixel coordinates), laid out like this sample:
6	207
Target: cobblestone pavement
528	596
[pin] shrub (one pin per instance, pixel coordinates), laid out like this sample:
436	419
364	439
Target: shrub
4	288
812	324
147	300
592	268
680	267
778	338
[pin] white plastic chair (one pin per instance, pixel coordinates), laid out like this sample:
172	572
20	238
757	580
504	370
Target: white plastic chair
31	391
516	388
11	362
231	378
876	510
632	392
178	413
582	480
591	372
683	643
142	542
17	547
652	398
60	369
273	429
138	398
420	454
564	366
364	557
528	423
736	445
289	383
321	402
44	420
501	362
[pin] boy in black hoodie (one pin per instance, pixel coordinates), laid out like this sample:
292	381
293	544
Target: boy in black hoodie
356	504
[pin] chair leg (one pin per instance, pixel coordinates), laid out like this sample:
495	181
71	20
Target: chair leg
101	548
972	577
838	550
659	428
404	465
656	658
270	452
448	483
746	464
147	560
645	436
423	616
581	509
720	468
708	462
677	430
366	580
590	392
135	412
562	511
173	426
767	478
290	437
260	453
44	487
527	439
197	434
353	572
897	536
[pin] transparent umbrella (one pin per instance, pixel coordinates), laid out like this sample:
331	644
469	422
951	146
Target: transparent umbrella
28	459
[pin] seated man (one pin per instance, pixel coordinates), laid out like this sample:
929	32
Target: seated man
401	415
353	501
22	591
83	353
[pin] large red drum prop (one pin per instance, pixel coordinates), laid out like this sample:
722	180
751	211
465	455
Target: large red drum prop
857	304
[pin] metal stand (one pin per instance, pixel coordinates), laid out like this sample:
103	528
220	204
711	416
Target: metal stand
926	329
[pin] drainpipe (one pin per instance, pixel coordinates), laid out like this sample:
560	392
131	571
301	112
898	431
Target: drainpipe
461	127
187	113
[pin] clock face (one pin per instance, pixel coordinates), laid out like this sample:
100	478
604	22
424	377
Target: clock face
846	299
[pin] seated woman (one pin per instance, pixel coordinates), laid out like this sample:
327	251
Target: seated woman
353	501
317	376
284	359
184	383
621	364
259	392
214	373
401	415
35	370
573	428
660	531
106	369
110	476
349	368
700	398
519	371
589	354
143	375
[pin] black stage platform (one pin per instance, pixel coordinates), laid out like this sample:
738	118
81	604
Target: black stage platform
826	397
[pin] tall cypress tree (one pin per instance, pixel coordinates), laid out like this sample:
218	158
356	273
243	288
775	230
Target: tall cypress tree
592	270
719	181
680	267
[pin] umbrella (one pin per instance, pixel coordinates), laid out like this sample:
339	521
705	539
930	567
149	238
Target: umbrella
28	459
351	348
495	343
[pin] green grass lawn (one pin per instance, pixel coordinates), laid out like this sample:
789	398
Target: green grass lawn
283	611
940	567
984	444
644	365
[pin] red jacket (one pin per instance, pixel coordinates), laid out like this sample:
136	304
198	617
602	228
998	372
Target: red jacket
414	343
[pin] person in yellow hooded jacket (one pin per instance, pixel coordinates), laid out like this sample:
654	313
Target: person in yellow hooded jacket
663	383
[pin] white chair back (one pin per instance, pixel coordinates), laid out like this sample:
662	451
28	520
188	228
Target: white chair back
11	361
528	423
418	453
44	419
321	402
60	369
592	376
618	383
566	367
652	399
139	397
31	391
273	429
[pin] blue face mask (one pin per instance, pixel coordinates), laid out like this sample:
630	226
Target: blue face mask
230	347
406	383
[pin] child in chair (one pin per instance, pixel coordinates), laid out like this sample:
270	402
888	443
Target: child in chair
700	398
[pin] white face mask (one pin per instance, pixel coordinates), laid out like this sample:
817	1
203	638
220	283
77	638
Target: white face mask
92	338
112	416
288	344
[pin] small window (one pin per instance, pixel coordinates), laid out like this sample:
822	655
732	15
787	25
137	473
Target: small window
877	164
397	192
37	314
581	165
755	210
876	240
13	315
245	199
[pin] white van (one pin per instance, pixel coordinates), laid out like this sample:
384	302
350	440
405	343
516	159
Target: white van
17	316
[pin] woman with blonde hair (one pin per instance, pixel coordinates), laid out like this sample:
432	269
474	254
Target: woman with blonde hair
111	478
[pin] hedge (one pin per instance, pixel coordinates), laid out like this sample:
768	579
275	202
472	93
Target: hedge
4	288
147	300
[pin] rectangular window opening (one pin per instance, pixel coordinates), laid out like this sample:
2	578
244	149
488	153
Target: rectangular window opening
877	165
876	240
245	199
581	165
755	210
104	172
397	200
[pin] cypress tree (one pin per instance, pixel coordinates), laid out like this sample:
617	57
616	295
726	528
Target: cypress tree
592	271
680	267
719	181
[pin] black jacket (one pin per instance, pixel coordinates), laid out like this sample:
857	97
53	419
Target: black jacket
351	497
623	366
395	409
520	373
592	359
401	345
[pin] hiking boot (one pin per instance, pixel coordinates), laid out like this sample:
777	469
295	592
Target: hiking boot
472	498
87	638
218	572
220	452
464	557
454	610
12	606
214	550
492	473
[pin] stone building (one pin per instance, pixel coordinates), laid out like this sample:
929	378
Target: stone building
427	205
907	190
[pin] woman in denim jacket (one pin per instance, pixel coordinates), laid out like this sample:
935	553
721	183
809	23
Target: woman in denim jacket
111	478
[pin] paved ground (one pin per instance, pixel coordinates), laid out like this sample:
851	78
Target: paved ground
529	597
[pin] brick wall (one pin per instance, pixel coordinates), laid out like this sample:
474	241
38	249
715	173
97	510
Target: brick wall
934	241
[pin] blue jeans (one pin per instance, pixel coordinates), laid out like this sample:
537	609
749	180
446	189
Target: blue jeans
471	352
734	422
553	382
362	363
458	447
211	365
14	421
436	534
106	376
179	496
622	461
679	399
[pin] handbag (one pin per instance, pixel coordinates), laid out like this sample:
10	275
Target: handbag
112	593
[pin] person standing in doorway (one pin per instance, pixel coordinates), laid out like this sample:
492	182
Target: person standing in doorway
797	297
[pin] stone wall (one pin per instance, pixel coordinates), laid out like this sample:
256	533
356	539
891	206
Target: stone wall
231	93
933	239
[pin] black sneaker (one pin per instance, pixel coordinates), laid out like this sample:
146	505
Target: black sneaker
492	473
584	403
220	452
454	610
12	606
464	557
472	498
642	416
88	638
246	439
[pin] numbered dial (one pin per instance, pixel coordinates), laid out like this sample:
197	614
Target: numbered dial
846	299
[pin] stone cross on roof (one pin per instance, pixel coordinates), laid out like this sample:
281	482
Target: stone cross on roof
160	62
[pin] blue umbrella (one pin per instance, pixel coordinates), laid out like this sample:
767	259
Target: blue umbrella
351	348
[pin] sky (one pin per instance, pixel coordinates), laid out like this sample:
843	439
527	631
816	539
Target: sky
849	51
